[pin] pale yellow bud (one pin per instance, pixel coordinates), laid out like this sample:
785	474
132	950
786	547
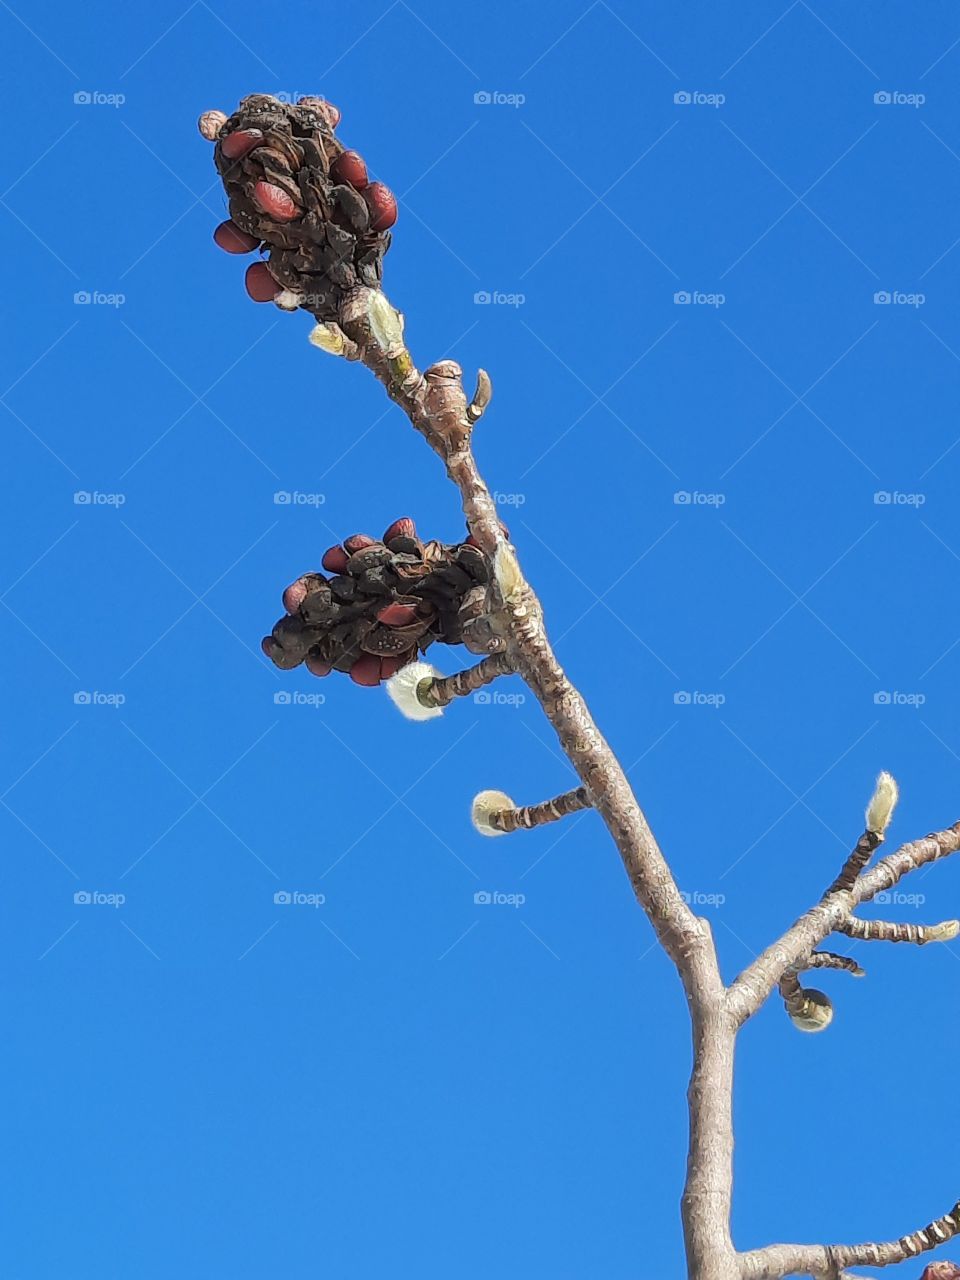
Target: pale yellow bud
882	803
485	805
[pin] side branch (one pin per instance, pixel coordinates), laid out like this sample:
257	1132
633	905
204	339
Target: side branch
824	1262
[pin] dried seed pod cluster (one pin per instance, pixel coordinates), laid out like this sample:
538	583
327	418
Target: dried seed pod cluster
379	604
297	193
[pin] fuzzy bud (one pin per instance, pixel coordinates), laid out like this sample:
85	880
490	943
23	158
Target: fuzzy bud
506	569
403	687
943	932
485	805
882	803
814	1013
386	323
329	338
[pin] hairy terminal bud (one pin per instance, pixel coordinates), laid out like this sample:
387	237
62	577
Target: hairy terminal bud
485	805
812	1011
882	803
403	690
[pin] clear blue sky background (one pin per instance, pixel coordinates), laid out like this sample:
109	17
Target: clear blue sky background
400	1082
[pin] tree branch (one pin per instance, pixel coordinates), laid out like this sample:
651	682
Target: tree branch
825	1261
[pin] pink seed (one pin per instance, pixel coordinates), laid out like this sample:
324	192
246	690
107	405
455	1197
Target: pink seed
357	541
275	202
402	528
397	615
237	144
390	666
335	560
294	595
349	167
382	204
261	285
230	238
366	671
316	666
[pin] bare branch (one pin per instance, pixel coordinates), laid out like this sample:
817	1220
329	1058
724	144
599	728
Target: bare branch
887	931
825	1261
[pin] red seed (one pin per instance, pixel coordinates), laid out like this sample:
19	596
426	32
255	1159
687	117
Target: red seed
357	541
267	644
402	528
316	666
390	666
230	238
335	560
382	204
366	670
294	595
261	285
275	202
397	615
237	144
349	167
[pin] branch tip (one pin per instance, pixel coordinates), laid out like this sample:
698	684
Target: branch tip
486	806
404	690
882	803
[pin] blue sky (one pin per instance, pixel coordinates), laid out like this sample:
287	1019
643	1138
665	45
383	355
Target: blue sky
738	509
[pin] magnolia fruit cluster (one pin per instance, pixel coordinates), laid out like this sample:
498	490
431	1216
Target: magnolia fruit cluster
380	603
297	194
